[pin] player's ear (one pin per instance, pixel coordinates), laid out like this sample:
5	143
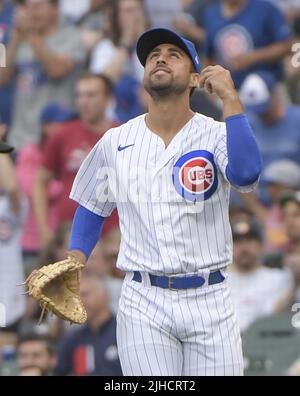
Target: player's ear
195	80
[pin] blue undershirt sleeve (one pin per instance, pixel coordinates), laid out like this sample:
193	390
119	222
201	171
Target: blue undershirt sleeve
244	160
86	230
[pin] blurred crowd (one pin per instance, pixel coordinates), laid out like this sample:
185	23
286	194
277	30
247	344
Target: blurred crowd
71	74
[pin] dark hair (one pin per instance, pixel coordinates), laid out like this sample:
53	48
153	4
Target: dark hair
109	87
192	91
194	88
34	337
113	15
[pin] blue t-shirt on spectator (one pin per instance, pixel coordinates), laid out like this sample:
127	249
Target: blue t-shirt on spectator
259	24
281	140
6	92
278	141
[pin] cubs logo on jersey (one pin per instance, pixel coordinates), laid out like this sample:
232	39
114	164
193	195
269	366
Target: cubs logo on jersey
233	40
195	176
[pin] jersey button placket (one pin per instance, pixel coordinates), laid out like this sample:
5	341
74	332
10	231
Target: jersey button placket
159	230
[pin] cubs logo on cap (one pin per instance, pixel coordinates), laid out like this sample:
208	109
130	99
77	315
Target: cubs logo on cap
195	176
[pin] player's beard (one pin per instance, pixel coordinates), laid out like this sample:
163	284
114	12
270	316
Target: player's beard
160	89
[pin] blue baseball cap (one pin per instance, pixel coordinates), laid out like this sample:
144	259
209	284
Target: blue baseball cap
56	112
152	38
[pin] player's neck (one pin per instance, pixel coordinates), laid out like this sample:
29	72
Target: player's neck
167	118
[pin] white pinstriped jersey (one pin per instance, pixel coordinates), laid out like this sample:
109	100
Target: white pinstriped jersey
172	202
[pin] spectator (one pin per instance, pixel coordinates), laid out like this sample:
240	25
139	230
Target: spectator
279	176
275	122
276	127
103	262
291	8
6	92
93	18
110	251
175	15
115	56
68	146
72	10
92	349
36	356
97	263
56	250
290	203
162	14
28	162
193	28
256	290
45	59
245	36
12	213
93	23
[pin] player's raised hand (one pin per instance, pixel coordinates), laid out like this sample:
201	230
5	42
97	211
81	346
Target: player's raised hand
217	80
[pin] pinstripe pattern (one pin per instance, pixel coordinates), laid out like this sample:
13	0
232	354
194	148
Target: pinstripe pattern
163	332
162	236
177	332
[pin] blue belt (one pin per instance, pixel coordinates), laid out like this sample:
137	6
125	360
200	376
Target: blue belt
180	282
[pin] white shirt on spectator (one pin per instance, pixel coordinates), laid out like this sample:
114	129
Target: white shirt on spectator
162	14
114	286
73	9
104	54
255	294
11	267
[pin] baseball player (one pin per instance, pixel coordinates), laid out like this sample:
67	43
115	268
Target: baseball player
169	174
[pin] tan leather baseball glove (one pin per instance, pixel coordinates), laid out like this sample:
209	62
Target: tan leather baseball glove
56	288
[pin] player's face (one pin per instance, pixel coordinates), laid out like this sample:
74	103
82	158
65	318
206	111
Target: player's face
246	253
168	71
291	213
